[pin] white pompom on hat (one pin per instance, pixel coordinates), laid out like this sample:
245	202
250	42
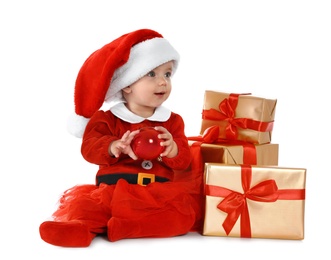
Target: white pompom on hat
113	67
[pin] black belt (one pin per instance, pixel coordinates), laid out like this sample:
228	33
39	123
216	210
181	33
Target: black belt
140	178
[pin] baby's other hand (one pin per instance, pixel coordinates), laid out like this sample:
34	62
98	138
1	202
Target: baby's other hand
168	142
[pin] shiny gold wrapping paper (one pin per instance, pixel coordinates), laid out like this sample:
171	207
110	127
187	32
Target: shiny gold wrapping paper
251	107
282	219
266	154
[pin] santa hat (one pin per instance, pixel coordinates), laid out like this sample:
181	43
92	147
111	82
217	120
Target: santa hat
113	67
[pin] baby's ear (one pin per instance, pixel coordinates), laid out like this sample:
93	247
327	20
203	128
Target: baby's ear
127	89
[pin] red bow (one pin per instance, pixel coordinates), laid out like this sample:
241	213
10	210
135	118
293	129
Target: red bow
227	112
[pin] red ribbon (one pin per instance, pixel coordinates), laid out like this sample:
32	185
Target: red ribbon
211	136
235	204
227	112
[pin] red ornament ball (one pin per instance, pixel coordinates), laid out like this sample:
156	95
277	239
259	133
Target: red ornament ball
146	144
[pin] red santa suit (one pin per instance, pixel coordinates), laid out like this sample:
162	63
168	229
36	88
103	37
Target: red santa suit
130	198
117	205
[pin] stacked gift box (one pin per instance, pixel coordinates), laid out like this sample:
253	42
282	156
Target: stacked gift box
245	192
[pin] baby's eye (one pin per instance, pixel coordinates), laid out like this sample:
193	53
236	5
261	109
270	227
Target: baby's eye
151	74
168	74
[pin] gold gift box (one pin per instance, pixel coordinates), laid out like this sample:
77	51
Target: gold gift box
266	154
281	219
249	107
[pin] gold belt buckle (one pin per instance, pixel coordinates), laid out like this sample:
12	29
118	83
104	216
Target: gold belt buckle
142	176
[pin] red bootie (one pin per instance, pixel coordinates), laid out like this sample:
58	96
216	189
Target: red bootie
121	228
66	234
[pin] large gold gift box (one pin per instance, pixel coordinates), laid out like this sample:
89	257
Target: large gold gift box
252	117
272	205
266	154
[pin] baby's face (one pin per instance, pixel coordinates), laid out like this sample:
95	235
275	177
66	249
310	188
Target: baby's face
152	90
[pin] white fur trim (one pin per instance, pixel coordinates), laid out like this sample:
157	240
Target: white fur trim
144	57
76	125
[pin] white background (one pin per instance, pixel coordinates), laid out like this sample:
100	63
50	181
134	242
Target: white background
272	49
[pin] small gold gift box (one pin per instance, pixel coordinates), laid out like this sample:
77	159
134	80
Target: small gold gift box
239	116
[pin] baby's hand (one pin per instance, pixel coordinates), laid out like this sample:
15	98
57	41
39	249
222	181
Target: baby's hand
123	145
170	145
